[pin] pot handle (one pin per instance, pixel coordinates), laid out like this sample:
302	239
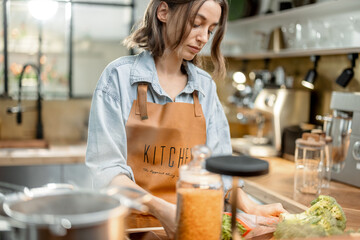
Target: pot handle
130	197
11	229
49	187
60	227
7	222
55	186
12	187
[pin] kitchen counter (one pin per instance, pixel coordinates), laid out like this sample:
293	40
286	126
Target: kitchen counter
278	185
55	154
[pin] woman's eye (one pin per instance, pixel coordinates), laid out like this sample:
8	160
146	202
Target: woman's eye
210	32
196	26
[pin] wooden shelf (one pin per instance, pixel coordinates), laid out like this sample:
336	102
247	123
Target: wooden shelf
297	53
316	10
239	39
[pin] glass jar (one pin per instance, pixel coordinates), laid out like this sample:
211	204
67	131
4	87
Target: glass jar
327	163
200	199
309	161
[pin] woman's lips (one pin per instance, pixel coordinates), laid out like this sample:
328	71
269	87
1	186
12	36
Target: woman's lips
194	49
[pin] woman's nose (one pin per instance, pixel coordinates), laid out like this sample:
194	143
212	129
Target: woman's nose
203	35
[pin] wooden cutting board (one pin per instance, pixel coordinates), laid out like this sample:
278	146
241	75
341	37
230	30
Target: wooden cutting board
31	143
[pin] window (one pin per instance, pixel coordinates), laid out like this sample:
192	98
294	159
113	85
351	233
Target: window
29	37
71	48
96	43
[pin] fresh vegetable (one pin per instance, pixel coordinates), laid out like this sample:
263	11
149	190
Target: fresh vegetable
325	217
226	227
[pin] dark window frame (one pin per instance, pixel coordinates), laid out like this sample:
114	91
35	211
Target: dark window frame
5	94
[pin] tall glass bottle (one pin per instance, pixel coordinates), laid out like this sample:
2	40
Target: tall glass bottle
200	199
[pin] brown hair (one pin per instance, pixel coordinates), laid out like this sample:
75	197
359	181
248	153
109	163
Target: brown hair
149	34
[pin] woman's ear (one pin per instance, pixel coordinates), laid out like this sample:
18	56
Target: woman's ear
162	12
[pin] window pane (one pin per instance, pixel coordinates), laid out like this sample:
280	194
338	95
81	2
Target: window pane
96	42
24	37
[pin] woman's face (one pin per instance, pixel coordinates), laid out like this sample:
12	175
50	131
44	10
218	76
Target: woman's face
205	23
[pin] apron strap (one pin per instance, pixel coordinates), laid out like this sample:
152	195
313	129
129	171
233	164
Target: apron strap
197	106
141	106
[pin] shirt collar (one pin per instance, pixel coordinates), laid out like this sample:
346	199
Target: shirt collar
144	70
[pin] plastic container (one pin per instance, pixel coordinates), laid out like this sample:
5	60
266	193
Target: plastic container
200	199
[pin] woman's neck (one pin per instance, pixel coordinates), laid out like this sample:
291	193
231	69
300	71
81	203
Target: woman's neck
171	78
168	64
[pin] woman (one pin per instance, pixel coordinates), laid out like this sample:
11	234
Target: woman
149	110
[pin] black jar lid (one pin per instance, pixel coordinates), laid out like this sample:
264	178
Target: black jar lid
237	165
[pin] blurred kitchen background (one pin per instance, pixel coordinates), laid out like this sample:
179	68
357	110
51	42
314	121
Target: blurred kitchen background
285	58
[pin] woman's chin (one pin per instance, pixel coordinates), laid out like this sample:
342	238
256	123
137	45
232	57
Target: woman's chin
189	57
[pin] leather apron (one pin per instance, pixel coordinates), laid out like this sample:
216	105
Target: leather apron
159	141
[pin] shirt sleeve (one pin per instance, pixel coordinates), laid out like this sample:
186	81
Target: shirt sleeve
107	145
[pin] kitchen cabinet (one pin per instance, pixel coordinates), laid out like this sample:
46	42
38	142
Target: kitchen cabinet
39	175
324	28
31	176
36	167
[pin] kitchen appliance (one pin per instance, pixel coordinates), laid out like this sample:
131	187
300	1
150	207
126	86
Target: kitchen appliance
289	136
348	104
286	107
283	108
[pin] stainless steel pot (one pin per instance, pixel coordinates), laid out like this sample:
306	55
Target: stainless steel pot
54	212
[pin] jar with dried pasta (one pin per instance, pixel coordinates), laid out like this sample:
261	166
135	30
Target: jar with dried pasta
199	200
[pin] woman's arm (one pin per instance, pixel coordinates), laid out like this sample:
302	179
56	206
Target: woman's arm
107	142
164	211
245	204
218	139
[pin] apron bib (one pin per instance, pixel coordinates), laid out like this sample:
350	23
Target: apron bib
159	141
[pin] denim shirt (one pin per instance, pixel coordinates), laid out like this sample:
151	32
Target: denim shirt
113	97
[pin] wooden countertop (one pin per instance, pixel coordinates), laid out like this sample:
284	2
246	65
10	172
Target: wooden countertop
278	185
57	153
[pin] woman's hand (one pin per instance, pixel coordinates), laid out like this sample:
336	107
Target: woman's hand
268	210
249	206
165	212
